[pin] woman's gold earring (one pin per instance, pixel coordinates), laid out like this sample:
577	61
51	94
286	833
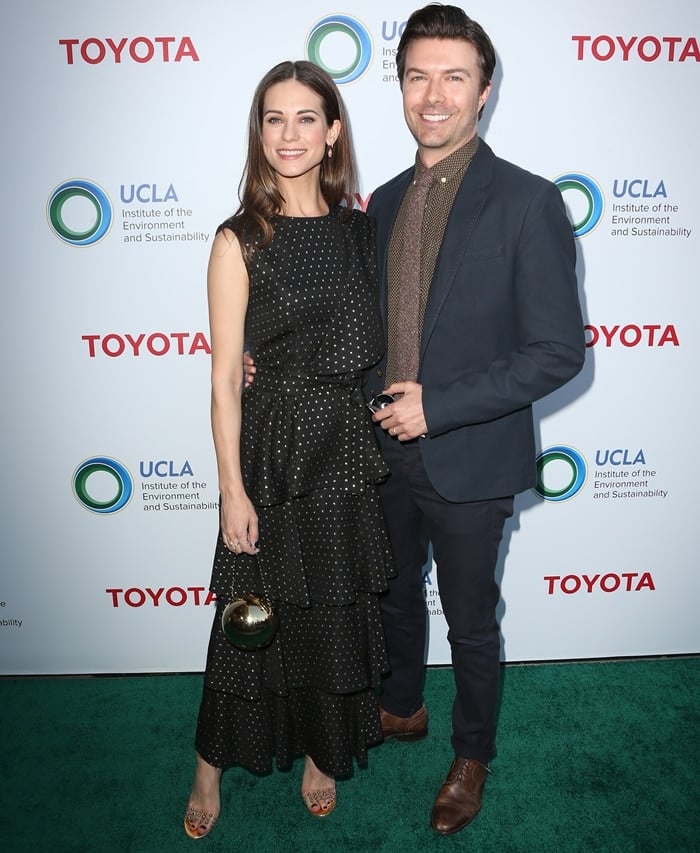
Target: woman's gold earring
330	151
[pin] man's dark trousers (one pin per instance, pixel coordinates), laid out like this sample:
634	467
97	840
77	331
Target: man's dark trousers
465	538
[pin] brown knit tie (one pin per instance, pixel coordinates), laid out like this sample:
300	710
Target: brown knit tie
404	354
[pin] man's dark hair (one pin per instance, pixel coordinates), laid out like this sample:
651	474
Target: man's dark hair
437	21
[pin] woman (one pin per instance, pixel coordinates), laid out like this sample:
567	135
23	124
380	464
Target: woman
292	276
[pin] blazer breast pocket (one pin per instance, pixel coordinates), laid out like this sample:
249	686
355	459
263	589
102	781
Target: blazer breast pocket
484	253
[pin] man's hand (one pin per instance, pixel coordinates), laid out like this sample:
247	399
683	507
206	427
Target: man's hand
248	369
403	418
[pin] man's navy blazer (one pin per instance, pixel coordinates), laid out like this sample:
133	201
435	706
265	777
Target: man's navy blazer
502	325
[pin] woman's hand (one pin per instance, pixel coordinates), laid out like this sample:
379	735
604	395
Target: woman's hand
239	524
248	369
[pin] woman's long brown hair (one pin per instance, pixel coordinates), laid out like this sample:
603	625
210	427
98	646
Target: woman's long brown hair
258	191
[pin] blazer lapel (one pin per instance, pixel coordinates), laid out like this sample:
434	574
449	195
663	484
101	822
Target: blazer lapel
467	207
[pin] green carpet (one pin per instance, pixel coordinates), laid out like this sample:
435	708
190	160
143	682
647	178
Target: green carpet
595	756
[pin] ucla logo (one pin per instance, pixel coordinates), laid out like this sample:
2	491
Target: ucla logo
638	188
620	456
79	212
102	485
146	194
347	40
585	199
164	468
551	486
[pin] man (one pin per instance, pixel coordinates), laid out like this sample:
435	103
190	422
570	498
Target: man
479	295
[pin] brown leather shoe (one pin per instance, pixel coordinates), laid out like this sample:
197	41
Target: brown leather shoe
459	800
404	728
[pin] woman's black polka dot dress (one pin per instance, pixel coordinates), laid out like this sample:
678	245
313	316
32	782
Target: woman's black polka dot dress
310	464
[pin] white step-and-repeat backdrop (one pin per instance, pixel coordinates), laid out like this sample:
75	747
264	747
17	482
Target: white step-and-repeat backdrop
123	144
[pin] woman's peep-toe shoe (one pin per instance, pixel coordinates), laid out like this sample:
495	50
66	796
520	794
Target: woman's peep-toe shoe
320	803
201	820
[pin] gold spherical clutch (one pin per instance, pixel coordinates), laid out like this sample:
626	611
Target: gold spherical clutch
250	622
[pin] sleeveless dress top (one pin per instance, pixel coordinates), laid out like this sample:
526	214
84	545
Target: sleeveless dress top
310	465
